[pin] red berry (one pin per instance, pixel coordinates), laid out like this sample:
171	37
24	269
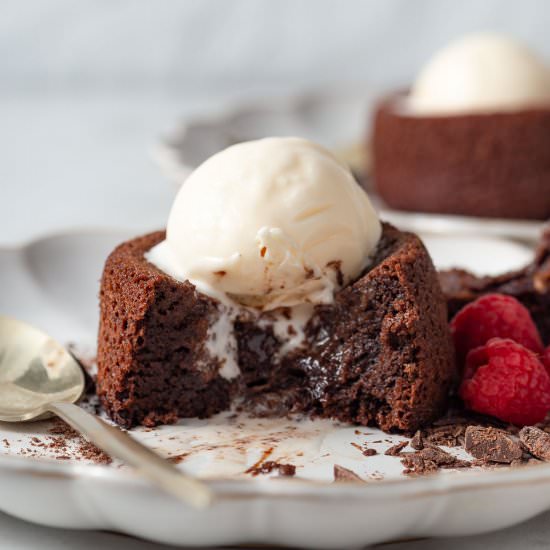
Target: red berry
508	381
546	359
493	316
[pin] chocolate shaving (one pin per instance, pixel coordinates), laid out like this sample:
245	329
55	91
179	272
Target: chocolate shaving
491	445
395	450
417	442
343	474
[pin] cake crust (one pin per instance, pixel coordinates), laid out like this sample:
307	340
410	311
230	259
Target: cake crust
488	164
150	368
380	355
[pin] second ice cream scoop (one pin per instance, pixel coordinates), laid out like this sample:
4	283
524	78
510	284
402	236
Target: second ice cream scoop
479	73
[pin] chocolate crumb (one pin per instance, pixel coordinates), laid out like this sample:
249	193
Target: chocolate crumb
176	459
536	441
58	442
287	470
6	443
346	475
395	450
491	445
90	452
365	451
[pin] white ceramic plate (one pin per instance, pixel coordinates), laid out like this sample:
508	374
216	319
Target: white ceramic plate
339	121
53	283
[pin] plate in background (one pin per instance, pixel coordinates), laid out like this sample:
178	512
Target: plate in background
53	283
339	121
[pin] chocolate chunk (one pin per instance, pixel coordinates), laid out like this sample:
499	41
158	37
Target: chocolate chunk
370	452
430	459
449	435
417	442
343	474
395	450
491	445
537	442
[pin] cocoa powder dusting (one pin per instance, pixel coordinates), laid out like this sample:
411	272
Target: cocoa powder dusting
66	444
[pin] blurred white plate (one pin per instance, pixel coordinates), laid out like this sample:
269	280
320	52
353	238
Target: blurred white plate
336	120
339	121
53	283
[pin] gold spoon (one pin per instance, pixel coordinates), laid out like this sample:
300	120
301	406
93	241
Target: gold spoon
40	378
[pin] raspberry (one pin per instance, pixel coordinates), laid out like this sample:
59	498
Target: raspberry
546	359
506	380
493	316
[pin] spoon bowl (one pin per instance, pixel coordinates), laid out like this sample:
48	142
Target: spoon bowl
39	378
35	371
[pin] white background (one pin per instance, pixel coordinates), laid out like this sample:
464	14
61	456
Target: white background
86	88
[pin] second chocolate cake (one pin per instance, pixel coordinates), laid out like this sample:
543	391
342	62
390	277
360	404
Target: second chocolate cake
471	135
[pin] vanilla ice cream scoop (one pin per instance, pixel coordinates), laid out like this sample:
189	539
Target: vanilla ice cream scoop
481	72
269	223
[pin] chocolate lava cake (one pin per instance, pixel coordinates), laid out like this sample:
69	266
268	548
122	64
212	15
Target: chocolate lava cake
490	164
531	286
380	354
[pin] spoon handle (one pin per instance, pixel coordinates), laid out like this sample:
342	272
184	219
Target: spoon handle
119	444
